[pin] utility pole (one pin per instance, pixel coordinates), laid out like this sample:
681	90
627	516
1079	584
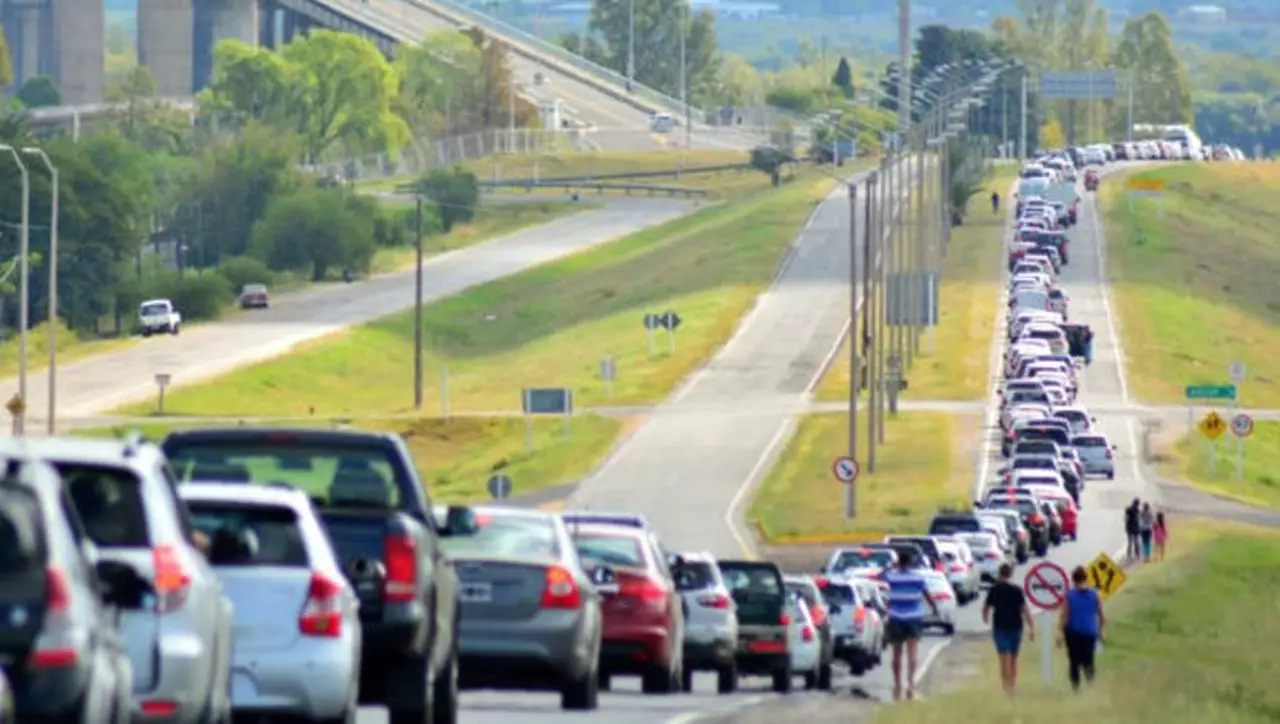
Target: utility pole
684	77
872	221
855	362
904	65
917	253
1129	132
1004	117
417	309
1022	119
631	42
886	220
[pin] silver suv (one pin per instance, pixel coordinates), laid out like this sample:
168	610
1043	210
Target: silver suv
179	639
710	621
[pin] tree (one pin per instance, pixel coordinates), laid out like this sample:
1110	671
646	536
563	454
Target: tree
248	82
770	160
40	91
1146	53
843	77
6	64
316	230
454	191
436	78
1051	135
659	25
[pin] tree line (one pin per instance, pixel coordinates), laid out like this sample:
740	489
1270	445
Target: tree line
153	205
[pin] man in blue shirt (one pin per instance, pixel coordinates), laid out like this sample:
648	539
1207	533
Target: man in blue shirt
908	595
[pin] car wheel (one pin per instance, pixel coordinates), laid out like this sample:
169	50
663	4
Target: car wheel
824	677
810	680
603	682
1111	475
686	683
444	697
782	680
727	679
659	681
175	329
949	629
582	695
146	333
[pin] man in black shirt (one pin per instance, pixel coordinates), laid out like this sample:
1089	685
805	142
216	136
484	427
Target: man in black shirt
1006	610
1134	547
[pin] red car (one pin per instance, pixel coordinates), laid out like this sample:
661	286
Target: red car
643	618
1067	511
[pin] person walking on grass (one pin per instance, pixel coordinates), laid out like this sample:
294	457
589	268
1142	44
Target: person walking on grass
995	202
1081	626
1007	612
908	595
1161	535
1131	530
1146	526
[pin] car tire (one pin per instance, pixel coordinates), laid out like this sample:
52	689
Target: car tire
660	681
824	677
811	680
686	680
727	679
949	629
146	333
1111	475
782	680
444	694
410	672
175	329
350	716
582	695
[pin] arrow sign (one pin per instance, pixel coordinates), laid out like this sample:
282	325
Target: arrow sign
670	321
652	321
499	487
845	469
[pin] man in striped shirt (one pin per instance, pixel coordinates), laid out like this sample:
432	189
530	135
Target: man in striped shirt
908	595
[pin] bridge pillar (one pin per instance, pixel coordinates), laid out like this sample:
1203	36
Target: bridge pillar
166	44
78	28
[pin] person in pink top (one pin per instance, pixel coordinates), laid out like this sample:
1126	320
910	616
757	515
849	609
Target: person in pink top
1161	534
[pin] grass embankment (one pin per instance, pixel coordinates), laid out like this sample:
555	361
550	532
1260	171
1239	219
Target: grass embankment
955	367
492	221
1194	279
1188	642
456	457
1260	484
926	462
71	347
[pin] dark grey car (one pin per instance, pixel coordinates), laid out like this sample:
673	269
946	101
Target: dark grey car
530	615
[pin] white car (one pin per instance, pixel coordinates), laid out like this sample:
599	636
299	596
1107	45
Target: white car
1036	477
944	598
1015	411
158	316
855	641
960	569
988	553
1097	453
1077	417
803	643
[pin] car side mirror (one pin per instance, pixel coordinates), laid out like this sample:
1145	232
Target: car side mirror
459	521
604	579
231	547
121	585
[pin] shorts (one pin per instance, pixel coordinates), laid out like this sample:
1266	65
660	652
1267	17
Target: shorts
1008	642
900	632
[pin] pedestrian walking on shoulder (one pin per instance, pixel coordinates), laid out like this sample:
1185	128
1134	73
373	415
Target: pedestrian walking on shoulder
1146	528
1007	612
908	596
1088	345
1131	531
1161	534
995	202
1081	626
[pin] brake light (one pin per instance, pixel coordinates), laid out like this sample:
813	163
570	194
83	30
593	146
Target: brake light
859	617
57	597
957	568
807	634
56	658
991	556
400	556
645	590
822	582
1036	519
1009	435
159	707
784	620
57	594
937	566
819	615
1109	455
714	600
322	613
560	590
171	581
943	596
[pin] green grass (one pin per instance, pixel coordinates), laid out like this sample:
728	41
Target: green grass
1260	484
1194	278
456	457
492	221
1189	641
956	366
548	326
919	469
71	347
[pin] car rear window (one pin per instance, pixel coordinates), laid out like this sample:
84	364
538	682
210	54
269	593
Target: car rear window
1089	442
757	588
862	559
109	503
272	528
947	526
839	594
694	576
506	535
599	549
21	542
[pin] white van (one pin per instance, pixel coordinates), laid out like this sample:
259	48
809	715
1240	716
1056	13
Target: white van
662	123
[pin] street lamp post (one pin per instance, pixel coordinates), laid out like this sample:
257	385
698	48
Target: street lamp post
631	42
24	300
52	331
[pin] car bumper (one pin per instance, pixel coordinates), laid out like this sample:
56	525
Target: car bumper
186	673
635	649
945	617
853	646
707	654
314	678
1100	469
545	651
48	693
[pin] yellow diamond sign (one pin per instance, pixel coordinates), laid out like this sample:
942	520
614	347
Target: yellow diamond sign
1212	426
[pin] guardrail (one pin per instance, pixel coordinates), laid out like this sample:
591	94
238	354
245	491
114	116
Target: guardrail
529	185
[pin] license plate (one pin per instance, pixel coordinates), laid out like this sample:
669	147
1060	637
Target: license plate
476	593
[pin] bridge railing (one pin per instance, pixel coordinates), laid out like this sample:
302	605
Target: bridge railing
653	96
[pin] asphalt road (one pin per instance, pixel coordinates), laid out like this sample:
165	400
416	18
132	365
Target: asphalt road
105	381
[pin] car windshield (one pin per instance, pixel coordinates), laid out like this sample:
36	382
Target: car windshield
272	528
333	475
861	559
1022	505
152	308
254	288
506	535
109	502
599	549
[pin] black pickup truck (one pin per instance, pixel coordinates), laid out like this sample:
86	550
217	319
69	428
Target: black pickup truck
379	521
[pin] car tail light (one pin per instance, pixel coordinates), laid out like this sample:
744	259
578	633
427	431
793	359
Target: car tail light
159	707
784	620
957	568
1022	534
937	566
819	615
822	582
400	556
859	617
644	589
322	613
560	590
991	556
942	596
714	600
807	634
52	651
171	582
1109	455
1036	519
1009	435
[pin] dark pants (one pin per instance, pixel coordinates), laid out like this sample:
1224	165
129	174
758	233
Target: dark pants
1135	546
1080	648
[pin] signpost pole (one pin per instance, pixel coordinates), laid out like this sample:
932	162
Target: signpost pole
444	392
653	345
1239	458
855	367
528	424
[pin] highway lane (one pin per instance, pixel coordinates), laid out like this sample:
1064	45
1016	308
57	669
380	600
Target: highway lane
105	381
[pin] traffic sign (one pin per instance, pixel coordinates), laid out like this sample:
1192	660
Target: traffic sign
1046	586
1212	426
15	405
652	321
1236	370
1106	576
845	469
1211	392
670	321
499	487
1242	425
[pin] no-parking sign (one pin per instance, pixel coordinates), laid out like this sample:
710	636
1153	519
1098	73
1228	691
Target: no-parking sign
1046	586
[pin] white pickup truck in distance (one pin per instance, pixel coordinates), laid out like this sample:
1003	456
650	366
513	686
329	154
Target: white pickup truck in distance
158	316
